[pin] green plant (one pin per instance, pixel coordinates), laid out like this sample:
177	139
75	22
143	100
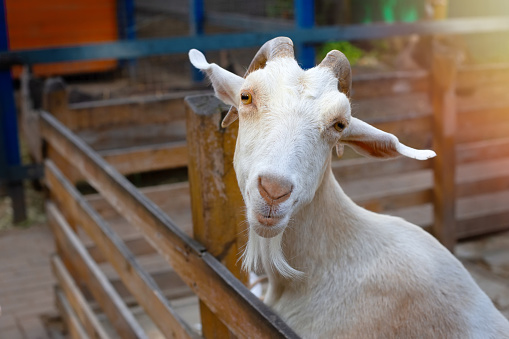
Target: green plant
352	52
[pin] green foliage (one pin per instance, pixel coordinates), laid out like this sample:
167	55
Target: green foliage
352	52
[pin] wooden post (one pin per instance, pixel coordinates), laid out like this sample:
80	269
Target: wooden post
443	86
216	202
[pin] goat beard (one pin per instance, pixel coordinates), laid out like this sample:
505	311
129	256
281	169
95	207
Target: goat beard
269	253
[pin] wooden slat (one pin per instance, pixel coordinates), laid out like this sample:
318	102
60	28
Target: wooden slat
137	111
484	224
140	283
124	136
72	322
482	150
74	255
483	75
388	83
137	246
234	304
147	158
359	168
157	194
91	324
392	108
169	282
485	176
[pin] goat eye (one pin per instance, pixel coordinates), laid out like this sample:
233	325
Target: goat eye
245	97
339	126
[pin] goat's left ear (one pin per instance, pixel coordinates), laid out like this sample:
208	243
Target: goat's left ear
226	84
370	141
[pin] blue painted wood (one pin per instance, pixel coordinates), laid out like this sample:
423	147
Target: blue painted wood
8	122
305	19
10	154
196	22
149	47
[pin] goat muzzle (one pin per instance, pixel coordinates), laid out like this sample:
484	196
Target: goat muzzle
274	190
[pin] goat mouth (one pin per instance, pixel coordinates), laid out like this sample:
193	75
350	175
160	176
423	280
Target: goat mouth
268	220
268	226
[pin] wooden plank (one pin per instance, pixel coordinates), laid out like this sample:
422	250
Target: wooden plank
444	130
392	108
123	136
483	98
91	324
483	75
140	283
72	322
485	176
483	225
384	84
484	132
147	158
359	168
482	150
137	246
157	194
216	202
75	256
65	166
169	282
234	304
136	111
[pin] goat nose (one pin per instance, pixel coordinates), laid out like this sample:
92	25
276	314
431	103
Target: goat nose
274	190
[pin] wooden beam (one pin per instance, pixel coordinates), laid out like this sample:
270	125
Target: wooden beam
139	283
77	260
77	302
234	304
443	77
216	202
147	158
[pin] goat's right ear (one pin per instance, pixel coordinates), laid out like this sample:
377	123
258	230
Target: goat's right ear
226	84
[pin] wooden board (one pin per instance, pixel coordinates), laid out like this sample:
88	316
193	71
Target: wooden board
36	24
147	158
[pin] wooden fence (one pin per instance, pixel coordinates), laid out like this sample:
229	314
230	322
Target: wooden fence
70	213
462	113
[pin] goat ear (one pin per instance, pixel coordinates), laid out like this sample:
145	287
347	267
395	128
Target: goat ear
226	84
370	141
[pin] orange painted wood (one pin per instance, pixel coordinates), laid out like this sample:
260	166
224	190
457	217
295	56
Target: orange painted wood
40	24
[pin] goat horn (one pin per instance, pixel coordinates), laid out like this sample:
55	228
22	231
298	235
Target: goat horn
340	66
281	47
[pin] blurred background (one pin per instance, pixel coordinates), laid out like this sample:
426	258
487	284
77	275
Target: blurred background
116	73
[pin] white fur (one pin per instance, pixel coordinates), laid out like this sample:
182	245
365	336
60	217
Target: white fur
335	269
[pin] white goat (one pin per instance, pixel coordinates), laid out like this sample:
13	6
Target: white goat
335	269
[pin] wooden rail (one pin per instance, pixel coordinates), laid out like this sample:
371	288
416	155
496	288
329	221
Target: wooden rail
216	287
